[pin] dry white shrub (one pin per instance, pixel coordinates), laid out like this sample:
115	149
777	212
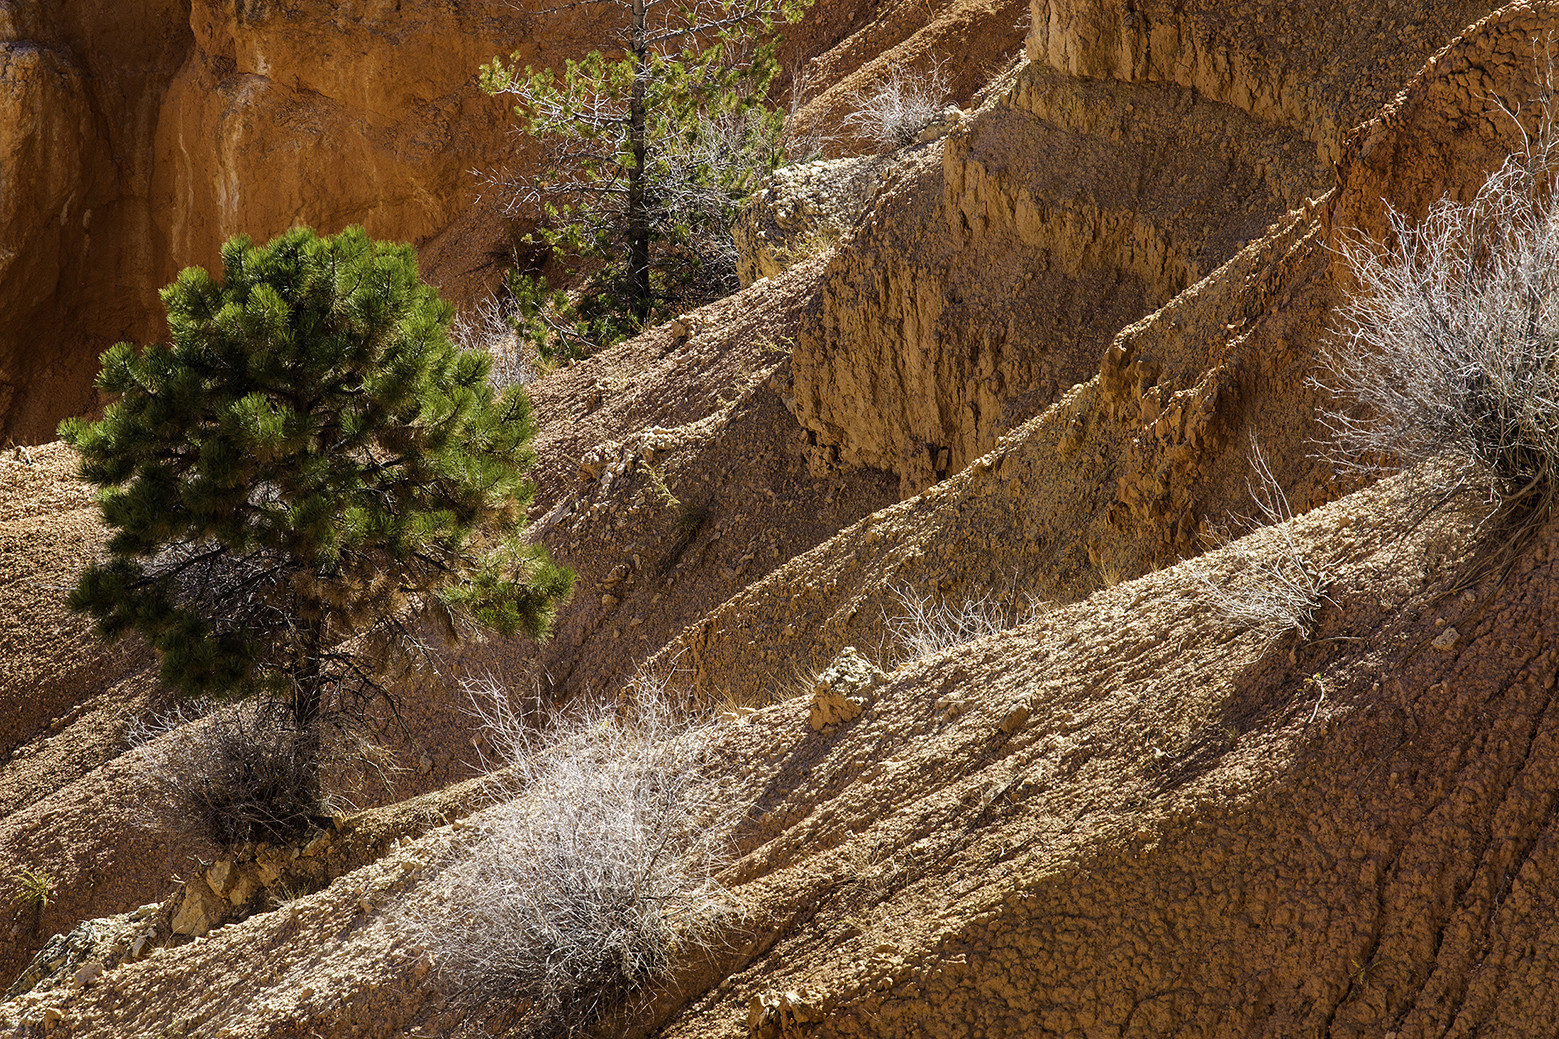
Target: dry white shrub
807	143
1279	588
923	626
1451	345
487	327
596	877
898	107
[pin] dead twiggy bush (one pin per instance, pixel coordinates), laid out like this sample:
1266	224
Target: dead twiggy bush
489	326
234	774
894	111
1450	347
1278	588
595	879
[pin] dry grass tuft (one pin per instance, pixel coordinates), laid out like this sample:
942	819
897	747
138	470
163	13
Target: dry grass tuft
1279	589
923	626
489	327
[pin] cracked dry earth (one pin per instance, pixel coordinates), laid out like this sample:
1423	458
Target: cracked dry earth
1126	817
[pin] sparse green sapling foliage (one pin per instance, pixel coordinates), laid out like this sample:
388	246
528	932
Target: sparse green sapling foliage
649	148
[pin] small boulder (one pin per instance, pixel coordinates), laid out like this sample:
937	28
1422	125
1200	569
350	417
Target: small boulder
777	1014
220	876
200	910
840	692
1017	715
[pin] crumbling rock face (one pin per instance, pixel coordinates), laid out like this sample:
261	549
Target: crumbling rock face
44	129
141	136
1135	467
137	137
978	289
801	212
1319	69
328	114
1444	132
1186	836
1193	828
969	39
989	278
1129	814
82	86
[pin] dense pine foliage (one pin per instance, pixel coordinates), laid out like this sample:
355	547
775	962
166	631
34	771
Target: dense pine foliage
303	475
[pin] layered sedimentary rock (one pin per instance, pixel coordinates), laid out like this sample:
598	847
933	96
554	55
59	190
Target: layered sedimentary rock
1143	461
1133	154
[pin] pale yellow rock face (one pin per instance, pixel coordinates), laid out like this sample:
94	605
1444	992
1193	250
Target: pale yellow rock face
1137	151
325	115
137	137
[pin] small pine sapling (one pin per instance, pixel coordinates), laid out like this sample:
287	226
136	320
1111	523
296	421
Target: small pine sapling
649	149
304	475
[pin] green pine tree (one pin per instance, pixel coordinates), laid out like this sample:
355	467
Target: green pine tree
304	475
650	148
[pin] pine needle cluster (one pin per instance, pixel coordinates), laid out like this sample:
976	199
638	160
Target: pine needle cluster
305	472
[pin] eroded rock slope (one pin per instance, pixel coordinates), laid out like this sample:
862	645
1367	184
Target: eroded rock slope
1056	334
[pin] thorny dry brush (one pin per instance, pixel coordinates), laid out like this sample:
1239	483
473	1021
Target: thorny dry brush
1450	346
595	879
235	773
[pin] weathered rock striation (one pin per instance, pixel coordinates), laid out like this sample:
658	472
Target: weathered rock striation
991	275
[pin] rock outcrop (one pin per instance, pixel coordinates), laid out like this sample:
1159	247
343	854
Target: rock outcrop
83	85
992	273
144	135
1133	466
802	211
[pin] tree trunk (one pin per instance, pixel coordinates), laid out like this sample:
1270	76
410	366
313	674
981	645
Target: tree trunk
638	217
307	706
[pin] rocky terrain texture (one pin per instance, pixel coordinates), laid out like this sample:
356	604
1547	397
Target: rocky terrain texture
1029	372
136	138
